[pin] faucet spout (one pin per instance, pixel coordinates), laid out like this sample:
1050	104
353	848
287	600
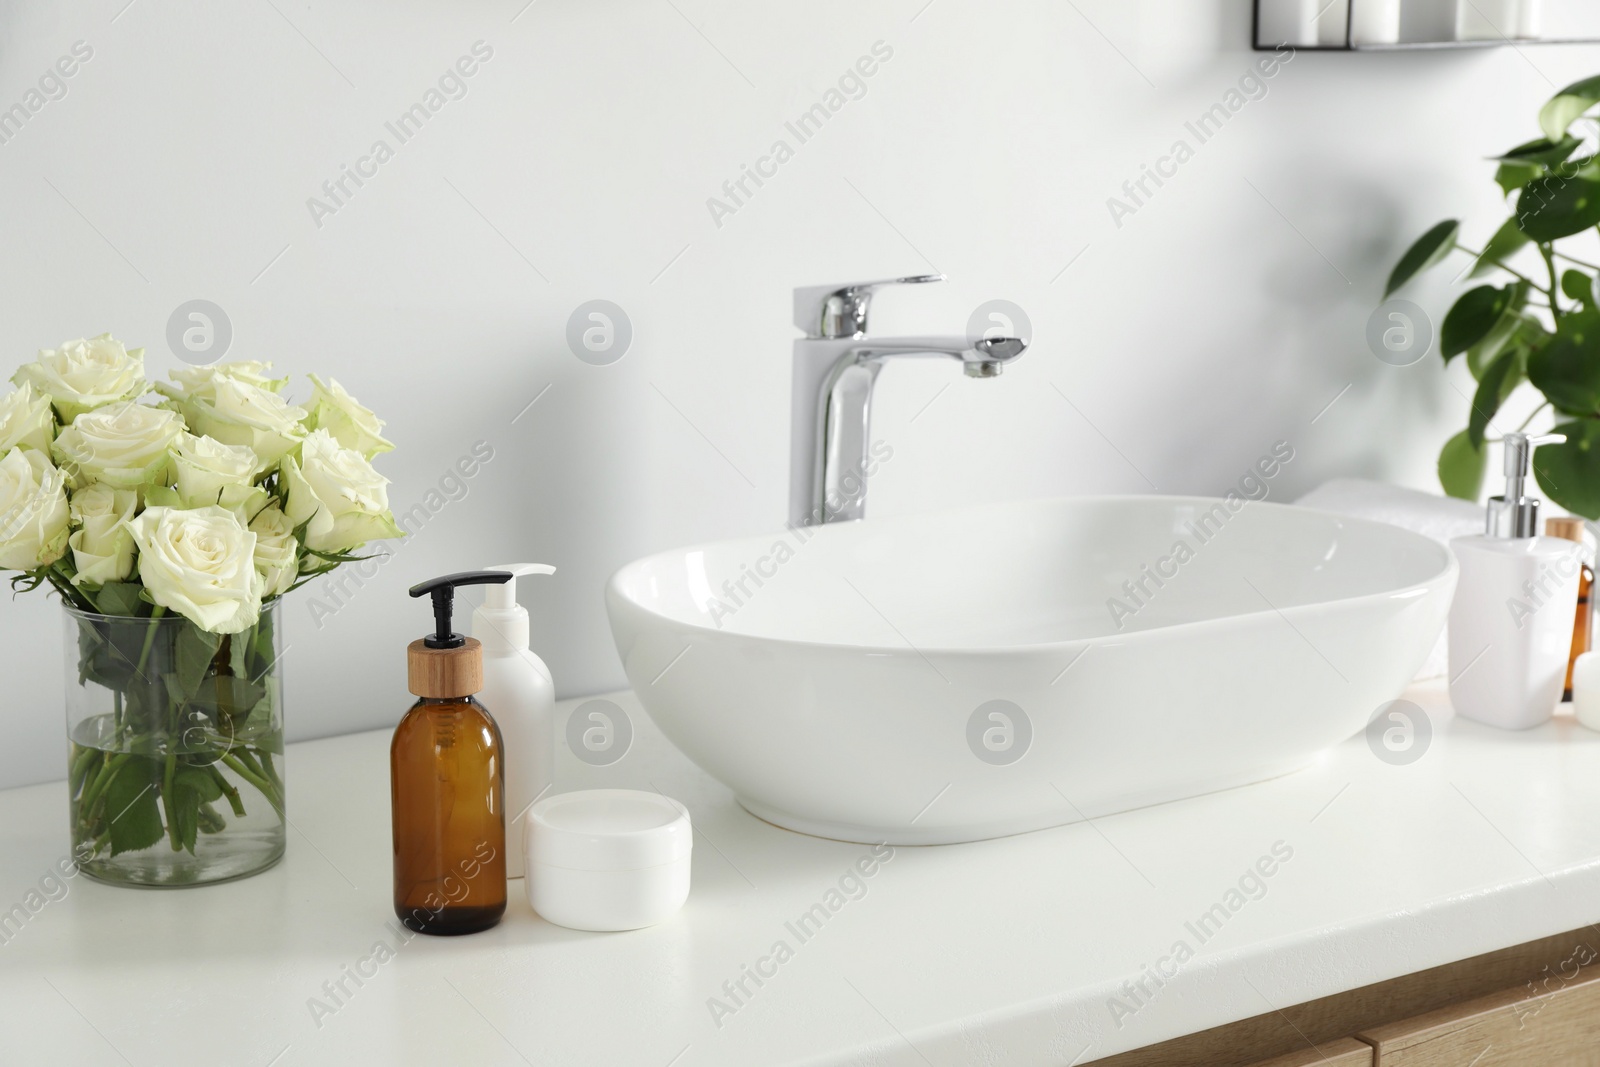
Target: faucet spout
989	353
833	455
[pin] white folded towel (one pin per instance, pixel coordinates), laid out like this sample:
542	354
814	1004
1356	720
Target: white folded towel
1439	517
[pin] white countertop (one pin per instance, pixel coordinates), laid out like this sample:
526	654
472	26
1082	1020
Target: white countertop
1003	951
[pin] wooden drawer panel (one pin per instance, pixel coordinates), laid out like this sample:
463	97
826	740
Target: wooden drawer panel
1344	1053
1560	1028
1341	1015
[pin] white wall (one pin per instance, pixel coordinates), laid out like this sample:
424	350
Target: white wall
1215	321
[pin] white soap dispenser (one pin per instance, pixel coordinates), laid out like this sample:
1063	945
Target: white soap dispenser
1511	620
517	684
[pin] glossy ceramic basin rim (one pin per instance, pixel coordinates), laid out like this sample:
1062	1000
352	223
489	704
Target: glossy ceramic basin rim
649	583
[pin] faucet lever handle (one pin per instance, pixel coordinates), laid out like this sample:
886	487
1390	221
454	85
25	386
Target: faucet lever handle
840	310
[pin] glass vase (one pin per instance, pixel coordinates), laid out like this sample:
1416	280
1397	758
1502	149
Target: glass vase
175	749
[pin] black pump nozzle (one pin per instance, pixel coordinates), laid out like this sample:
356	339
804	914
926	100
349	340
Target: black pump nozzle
444	595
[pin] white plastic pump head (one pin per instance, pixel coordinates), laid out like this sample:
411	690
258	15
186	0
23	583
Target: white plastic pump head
503	597
501	624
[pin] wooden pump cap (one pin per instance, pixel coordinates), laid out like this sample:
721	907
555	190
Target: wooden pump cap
1570	529
444	673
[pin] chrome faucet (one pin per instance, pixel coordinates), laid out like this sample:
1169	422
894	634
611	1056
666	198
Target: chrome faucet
835	367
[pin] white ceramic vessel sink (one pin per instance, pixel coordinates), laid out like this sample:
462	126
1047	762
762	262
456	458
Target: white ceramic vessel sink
862	681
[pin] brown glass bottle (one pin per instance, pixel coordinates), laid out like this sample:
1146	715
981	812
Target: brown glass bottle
447	782
1582	626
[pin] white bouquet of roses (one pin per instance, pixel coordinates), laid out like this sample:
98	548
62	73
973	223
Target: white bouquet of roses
208	499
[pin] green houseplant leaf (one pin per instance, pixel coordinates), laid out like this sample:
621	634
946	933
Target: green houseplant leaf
1513	176
1517	329
1507	241
1544	152
1560	205
1501	377
1461	467
1579	286
1567	369
1430	248
1569	473
1566	106
1476	314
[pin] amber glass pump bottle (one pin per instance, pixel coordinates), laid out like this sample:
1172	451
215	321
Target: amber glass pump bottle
447	781
1582	627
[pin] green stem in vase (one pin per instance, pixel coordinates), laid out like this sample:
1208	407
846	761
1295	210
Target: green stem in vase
166	801
150	637
263	786
272	772
265	759
234	800
274	791
248	758
107	772
81	762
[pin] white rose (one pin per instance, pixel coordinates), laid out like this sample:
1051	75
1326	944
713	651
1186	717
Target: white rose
277	552
336	489
102	546
201	564
238	413
26	420
128	446
190	383
210	472
352	425
33	511
86	374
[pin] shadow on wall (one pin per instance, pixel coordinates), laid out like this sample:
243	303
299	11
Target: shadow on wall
574	438
1305	352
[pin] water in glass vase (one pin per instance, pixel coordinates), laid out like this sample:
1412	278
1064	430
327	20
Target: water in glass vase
175	748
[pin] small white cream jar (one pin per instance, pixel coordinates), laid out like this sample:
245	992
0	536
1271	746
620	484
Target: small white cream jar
1586	689
607	859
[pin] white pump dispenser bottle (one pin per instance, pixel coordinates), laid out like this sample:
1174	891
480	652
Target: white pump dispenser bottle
1511	620
517	685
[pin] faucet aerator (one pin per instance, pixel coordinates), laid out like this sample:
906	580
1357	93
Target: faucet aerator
984	370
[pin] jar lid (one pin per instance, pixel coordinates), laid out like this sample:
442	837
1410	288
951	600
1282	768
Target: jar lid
608	830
